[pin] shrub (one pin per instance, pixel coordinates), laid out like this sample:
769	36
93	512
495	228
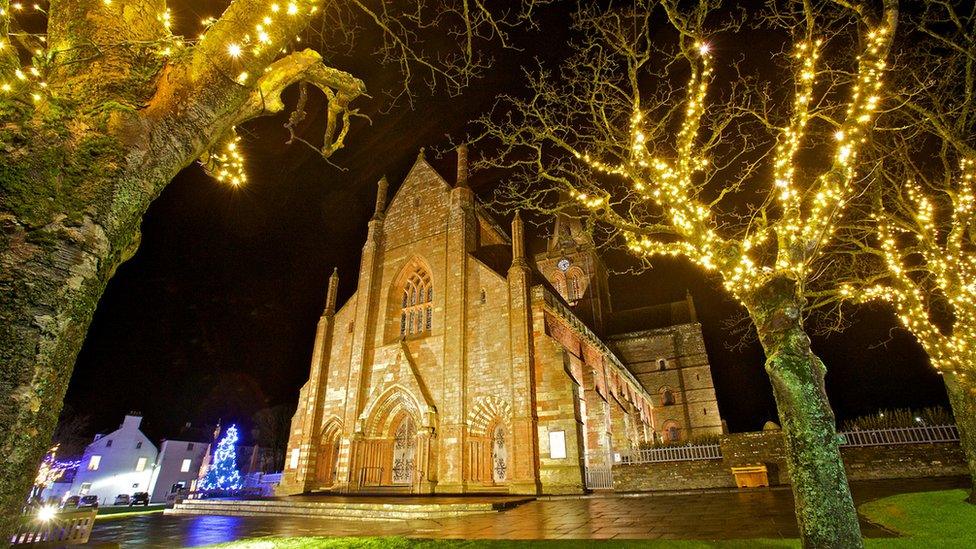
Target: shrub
902	417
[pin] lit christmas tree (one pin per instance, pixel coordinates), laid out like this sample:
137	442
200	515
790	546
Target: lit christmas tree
223	474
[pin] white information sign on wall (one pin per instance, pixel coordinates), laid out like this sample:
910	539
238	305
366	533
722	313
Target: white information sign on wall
557	444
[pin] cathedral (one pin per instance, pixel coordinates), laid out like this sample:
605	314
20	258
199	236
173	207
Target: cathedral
461	364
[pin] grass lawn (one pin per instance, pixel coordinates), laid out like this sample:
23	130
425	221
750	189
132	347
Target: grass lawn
925	519
120	511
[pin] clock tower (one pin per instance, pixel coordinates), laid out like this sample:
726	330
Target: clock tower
573	267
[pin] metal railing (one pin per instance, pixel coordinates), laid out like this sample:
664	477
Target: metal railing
65	528
599	477
271	478
687	452
899	435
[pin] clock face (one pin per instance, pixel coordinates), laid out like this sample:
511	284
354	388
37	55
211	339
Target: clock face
563	265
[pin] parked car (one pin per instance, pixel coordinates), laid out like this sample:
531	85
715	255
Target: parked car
70	502
121	499
139	497
88	501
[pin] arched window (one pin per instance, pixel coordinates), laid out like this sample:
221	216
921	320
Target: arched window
661	364
673	433
667	397
559	282
574	284
416	306
574	288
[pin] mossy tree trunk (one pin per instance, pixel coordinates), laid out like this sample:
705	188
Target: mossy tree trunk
962	398
824	507
79	169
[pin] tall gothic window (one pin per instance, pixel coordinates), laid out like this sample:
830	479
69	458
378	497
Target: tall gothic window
574	285
416	307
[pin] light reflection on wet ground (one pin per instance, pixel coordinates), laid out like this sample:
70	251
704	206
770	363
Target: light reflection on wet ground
725	515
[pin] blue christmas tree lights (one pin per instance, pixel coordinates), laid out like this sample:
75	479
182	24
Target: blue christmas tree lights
223	473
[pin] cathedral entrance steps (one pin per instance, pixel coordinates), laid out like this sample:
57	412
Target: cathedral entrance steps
351	507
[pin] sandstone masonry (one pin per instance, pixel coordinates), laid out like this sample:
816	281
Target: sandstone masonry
459	365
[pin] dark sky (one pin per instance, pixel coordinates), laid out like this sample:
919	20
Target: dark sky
215	314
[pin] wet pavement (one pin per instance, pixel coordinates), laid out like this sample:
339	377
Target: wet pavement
763	513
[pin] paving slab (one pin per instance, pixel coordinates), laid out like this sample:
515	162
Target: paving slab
764	513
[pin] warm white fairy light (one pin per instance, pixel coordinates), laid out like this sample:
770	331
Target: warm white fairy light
226	162
926	258
806	217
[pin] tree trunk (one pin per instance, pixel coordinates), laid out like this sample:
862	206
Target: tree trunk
58	249
962	398
825	510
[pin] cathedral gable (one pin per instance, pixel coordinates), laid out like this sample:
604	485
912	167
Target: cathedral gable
422	197
401	375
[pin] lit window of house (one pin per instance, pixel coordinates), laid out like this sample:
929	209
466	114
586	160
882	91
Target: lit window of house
185	466
293	463
141	464
93	463
416	307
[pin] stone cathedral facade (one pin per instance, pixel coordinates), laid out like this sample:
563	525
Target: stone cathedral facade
462	365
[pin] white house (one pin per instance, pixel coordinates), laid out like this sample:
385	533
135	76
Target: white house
177	467
121	462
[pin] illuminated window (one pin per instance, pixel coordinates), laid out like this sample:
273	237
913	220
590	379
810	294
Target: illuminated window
93	463
574	288
141	464
293	463
185	466
559	282
574	284
416	304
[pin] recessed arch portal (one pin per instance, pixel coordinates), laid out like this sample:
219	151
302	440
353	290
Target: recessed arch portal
327	462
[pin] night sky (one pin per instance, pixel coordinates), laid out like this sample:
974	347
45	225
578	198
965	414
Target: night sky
215	314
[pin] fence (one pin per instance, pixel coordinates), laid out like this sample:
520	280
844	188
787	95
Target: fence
900	435
599	477
65	528
265	483
687	452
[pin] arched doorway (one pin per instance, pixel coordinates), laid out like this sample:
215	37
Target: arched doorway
404	451
328	460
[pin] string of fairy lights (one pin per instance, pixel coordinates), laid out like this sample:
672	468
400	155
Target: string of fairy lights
225	161
806	218
922	261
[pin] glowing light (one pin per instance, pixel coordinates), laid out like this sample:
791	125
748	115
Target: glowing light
223	473
47	513
234	50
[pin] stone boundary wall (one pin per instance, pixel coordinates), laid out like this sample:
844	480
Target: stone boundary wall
862	463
